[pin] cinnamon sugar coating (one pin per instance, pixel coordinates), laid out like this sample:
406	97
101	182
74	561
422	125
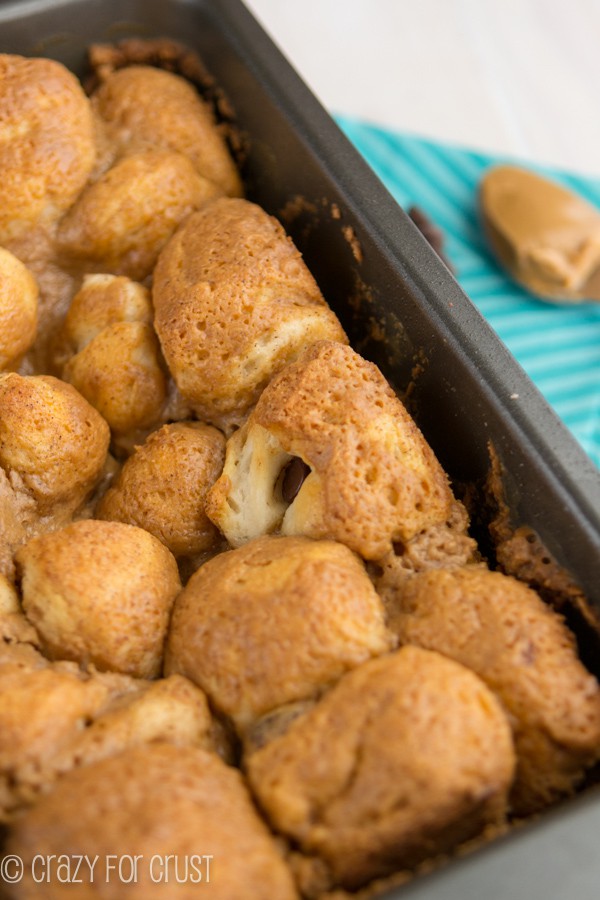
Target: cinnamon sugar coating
43	707
120	374
373	478
47	143
110	353
104	300
157	801
51	437
234	303
56	716
162	487
407	756
521	648
147	107
53	448
121	222
100	592
273	622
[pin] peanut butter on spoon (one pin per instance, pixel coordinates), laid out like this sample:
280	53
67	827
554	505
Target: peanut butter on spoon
547	237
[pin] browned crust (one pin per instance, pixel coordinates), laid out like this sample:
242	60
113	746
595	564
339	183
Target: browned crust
47	148
163	486
406	756
380	479
159	799
275	621
522	649
229	281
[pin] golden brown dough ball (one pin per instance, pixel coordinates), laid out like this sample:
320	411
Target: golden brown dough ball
134	713
47	147
522	649
100	592
155	802
101	301
116	363
369	477
43	707
234	302
275	621
52	439
57	716
122	221
162	487
18	309
406	757
119	373
145	106
170	709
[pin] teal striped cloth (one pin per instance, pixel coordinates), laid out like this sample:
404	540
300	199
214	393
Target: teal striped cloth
558	345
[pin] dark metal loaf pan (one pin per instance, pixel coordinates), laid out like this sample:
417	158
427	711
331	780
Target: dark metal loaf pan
465	396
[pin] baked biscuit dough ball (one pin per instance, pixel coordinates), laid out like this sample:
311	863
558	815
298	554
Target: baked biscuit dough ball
170	709
100	592
156	803
104	300
162	487
274	622
406	757
122	221
371	478
234	302
43	707
119	373
111	352
56	716
52	440
521	648
18	309
148	107
47	147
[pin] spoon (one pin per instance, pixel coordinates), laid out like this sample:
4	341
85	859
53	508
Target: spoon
545	236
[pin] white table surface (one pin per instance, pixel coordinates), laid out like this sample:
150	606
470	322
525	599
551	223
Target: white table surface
520	77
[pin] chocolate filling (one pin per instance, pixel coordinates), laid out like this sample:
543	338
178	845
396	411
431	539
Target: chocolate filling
292	477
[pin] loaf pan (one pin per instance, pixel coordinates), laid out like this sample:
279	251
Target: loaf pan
402	308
